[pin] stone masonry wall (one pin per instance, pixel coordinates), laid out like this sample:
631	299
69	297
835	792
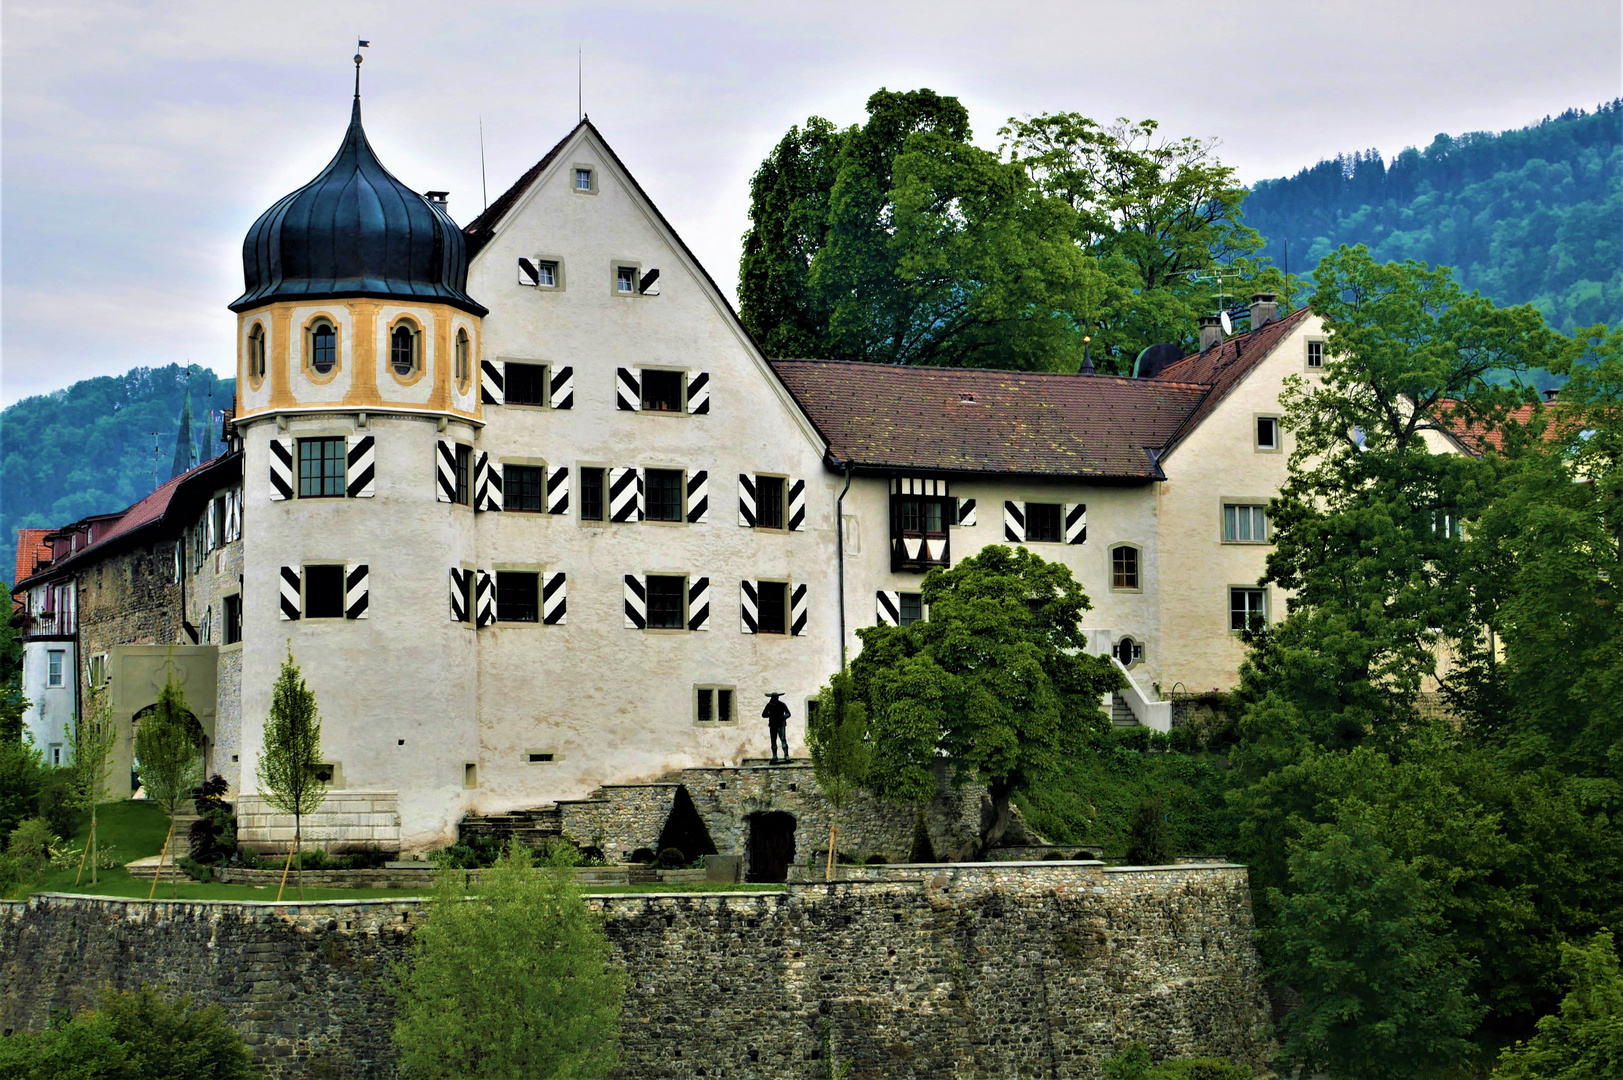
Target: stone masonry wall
968	971
622	818
346	821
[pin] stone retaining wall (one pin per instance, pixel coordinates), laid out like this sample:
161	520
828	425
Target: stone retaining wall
969	971
347	821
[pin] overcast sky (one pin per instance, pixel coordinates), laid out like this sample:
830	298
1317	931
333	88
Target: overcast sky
140	140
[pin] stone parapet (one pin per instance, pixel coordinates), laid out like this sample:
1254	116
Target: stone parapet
964	971
346	821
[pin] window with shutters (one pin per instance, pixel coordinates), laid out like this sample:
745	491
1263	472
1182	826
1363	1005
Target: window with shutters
625	280
546	274
661	391
217	510
663	492
526	384
321	468
769	502
524	489
233	618
324	592
918	532
912	608
321	341
464	467
772	607
1245	523
1124	568
518	596
1248	608
713	704
667	603
1044	523
591	494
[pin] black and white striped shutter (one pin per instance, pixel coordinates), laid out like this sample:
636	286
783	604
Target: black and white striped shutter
746	500
1076	523
290	582
492	382
698	393
484	599
797	610
561	391
888	608
459	594
966	511
281	469
357	592
528	273
797	505
554	600
627	390
359	467
1014	522
487	482
698	497
699	603
558	490
445	470
624	489
641	494
636	603
748	608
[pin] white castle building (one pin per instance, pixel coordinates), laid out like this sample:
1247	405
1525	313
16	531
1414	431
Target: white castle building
535	514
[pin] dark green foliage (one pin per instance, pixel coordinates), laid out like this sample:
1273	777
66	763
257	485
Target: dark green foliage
1585	1038
195	870
22	775
83	1048
56	802
213	836
685	831
1149	840
1134	1063
923	851
1526	216
88	449
671	859
473	852
643	856
249	858
837	735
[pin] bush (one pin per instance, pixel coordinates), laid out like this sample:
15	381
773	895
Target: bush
876	860
22	773
249	858
29	847
923	850
642	856
1149	842
672	859
473	853
213	836
373	858
1134	1063
194	869
313	859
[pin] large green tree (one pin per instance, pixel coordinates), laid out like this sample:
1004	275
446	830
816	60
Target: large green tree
997	680
1584	1038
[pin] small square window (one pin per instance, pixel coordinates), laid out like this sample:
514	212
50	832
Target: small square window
1267	433
912	608
518	596
1245	524
526	384
591	494
1248	608
772	607
769	502
321	468
661	391
664	494
625	280
1315	355
1124	567
1043	522
546	275
233	618
524	488
583	180
666	604
323	592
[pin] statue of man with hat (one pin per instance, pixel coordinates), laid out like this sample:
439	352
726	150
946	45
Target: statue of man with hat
777	722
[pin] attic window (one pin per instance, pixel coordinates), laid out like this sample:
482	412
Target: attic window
583	180
625	280
967	398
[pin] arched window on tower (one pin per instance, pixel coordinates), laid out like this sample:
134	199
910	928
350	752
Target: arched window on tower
462	358
403	350
323	347
256	352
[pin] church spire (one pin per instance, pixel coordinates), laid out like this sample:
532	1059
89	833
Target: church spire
183	439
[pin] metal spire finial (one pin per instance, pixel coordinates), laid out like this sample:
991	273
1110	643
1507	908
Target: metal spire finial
360	43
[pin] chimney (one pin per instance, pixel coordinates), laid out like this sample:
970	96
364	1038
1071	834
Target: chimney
438	198
1549	395
1264	309
1211	332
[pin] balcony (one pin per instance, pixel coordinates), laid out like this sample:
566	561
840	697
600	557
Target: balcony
43	624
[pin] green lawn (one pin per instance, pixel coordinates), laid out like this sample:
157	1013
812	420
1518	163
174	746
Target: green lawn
136	829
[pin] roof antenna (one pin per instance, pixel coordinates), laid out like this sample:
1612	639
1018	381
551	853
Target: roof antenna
580	84
360	43
483	190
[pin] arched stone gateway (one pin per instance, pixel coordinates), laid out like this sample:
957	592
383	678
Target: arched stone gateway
771	846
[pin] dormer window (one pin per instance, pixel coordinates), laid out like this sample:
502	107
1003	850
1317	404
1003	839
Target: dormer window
403	350
323	347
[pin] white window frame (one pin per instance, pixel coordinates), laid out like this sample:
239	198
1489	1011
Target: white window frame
1307	355
636	276
1229	613
1256	434
591	179
56	667
1236	504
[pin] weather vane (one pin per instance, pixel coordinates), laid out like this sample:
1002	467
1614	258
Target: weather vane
360	43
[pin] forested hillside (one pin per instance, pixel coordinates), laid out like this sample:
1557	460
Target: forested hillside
100	445
1532	215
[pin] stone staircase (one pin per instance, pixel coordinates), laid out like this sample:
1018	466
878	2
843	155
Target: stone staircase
533	827
1121	715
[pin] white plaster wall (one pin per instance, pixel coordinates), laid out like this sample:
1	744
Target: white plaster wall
333	386
1116	515
253	399
390	386
50	708
615	704
397	689
1218	462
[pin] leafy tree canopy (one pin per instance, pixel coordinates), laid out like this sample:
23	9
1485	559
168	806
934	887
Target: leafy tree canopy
1585	1038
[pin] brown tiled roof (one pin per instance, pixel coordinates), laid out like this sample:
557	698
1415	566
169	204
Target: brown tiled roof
32	550
1223	366
482	228
1477	438
970	420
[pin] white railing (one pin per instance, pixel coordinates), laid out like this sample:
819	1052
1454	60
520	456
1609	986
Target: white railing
1152	714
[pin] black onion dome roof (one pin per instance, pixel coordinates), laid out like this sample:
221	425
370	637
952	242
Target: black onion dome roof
355	231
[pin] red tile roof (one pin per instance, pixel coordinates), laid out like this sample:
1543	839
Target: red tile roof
32	550
1223	366
970	420
1475	436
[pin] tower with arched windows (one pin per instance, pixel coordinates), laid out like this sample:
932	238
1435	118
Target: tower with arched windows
357	378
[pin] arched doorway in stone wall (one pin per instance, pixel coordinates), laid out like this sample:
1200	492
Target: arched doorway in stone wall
771	848
199	738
